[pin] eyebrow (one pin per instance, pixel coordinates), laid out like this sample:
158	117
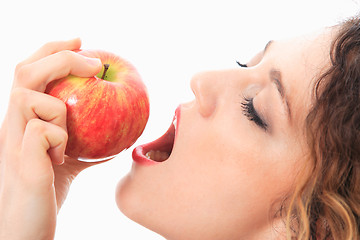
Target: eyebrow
267	46
275	76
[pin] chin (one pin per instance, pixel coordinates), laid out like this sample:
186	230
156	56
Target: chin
135	191
147	159
129	200
147	194
125	197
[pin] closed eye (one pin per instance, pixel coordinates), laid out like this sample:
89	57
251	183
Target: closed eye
251	113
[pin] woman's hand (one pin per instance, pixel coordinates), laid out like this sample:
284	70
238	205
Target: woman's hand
35	176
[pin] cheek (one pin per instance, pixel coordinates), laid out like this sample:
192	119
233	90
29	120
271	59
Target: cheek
211	175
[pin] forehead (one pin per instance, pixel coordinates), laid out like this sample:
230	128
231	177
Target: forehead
307	55
302	60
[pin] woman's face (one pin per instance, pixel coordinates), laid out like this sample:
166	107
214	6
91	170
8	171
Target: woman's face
237	150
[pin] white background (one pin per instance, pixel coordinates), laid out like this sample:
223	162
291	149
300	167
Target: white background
168	41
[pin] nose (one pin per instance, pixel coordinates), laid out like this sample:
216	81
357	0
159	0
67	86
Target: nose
207	87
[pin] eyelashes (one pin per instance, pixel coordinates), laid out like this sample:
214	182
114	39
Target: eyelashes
249	109
250	112
240	64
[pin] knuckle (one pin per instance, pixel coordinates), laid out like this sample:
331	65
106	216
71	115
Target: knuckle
39	128
59	107
49	47
23	74
36	126
64	135
19	96
62	107
67	55
65	58
59	132
18	67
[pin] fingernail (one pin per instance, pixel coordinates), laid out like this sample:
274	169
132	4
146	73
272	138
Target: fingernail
61	162
94	61
75	39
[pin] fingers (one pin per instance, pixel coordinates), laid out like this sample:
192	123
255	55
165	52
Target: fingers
52	61
25	105
38	74
30	165
33	137
43	142
51	48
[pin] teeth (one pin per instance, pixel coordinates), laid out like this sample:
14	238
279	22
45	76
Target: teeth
175	122
157	156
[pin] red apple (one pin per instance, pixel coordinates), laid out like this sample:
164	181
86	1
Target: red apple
106	113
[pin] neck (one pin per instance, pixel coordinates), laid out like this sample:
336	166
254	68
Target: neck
273	231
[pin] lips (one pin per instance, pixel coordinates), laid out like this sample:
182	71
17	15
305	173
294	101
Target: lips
159	150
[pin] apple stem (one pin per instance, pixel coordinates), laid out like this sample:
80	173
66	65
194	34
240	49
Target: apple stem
106	67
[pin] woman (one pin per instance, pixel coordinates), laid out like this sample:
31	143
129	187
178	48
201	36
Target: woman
269	150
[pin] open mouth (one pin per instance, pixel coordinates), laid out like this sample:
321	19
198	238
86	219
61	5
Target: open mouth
160	149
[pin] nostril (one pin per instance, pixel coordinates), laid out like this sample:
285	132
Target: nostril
206	90
206	106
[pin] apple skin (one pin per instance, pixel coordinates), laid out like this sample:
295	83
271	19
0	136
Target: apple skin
106	116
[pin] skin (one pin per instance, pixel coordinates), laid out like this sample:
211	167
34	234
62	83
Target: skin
223	176
35	176
226	173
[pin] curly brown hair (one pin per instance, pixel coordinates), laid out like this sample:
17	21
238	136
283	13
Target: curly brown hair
327	205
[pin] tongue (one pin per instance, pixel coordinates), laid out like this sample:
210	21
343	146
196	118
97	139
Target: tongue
157	156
